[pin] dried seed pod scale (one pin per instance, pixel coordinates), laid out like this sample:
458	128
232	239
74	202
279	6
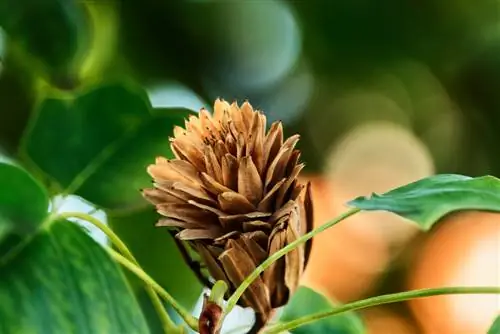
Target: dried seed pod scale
232	195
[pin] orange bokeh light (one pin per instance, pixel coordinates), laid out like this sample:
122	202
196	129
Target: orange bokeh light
464	251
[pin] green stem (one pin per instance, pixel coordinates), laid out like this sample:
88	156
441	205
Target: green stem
231	302
217	293
379	300
168	325
191	321
113	237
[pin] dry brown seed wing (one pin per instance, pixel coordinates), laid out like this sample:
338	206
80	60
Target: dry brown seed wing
283	211
247	114
230	172
169	222
307	220
234	203
258	143
238	265
211	185
222	240
253	132
240	146
305	210
186	212
179	131
231	144
295	259
297	190
237	118
284	190
178	154
210	232
292	162
212	165
220	150
157	196
267	204
273	276
207	208
164	172
190	153
259	237
271	169
278	167
279	292
196	194
167	188
193	125
207	125
257	253
273	142
256	225
184	168
219	107
249	182
235	221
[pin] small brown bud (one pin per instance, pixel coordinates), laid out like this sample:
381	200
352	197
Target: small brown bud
209	321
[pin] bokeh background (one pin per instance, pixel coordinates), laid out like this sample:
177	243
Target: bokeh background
382	93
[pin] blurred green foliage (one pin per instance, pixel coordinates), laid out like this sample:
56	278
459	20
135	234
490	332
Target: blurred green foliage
292	59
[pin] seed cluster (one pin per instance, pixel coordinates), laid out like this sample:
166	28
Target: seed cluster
232	194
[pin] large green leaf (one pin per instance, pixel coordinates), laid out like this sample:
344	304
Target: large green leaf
306	301
58	280
64	282
428	200
157	254
495	327
23	203
117	182
98	143
50	30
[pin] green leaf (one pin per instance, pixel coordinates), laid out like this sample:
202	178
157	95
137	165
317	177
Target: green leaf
495	327
117	182
16	103
156	252
306	301
58	280
428	200
62	281
98	143
50	30
23	202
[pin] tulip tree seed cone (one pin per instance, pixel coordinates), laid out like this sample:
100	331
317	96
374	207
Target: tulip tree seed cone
232	194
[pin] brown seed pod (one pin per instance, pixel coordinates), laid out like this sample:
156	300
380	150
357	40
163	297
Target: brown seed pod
232	195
